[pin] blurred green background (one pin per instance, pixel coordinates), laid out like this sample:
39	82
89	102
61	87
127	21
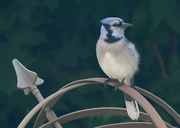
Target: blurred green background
57	39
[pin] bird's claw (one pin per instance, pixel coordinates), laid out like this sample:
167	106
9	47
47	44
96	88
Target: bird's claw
107	81
118	85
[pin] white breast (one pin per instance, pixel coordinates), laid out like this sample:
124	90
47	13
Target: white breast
118	63
115	69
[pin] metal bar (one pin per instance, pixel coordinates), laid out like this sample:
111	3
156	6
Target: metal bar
129	125
138	97
42	103
40	119
114	111
162	103
94	112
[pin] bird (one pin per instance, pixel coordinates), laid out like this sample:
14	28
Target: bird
118	58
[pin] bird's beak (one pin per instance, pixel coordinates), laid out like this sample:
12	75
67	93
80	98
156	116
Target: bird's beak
125	25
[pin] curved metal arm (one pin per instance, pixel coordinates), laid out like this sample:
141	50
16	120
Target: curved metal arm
114	111
153	97
159	123
162	103
129	125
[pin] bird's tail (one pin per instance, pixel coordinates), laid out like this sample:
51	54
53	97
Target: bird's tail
131	104
132	107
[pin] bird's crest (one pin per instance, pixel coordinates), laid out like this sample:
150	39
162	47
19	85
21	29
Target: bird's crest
109	20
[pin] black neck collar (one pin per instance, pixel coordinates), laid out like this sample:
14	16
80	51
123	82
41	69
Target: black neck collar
112	39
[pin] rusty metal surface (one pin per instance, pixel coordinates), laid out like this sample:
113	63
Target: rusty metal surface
138	97
129	125
42	114
93	112
41	118
114	111
162	103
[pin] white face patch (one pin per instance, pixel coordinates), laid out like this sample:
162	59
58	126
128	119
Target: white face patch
117	31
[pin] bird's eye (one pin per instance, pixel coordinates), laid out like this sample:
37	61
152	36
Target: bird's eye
120	23
115	25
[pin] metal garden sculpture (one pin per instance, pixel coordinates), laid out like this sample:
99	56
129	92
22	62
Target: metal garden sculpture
28	81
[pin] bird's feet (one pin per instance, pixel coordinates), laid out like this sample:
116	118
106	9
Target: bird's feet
108	80
118	85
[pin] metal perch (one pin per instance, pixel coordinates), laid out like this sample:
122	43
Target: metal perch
28	81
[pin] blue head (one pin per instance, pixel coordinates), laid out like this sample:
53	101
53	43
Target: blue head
112	29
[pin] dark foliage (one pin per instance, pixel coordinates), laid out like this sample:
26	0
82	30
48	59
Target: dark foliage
57	39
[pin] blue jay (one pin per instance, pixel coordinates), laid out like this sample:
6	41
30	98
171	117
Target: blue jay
118	58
